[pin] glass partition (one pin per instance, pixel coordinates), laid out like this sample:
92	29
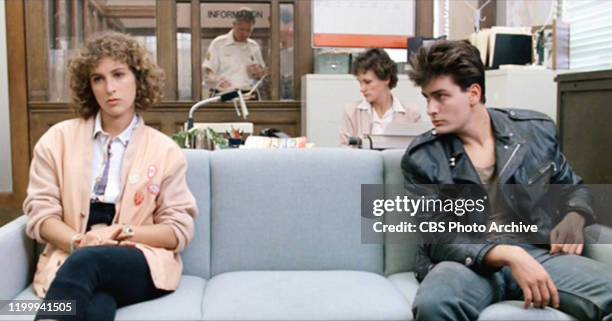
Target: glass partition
286	51
69	22
217	20
183	50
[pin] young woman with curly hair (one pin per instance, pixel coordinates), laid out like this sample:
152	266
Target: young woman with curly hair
107	194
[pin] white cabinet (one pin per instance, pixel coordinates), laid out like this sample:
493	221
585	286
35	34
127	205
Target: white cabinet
524	88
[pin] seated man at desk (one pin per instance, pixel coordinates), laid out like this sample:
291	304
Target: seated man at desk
377	75
233	60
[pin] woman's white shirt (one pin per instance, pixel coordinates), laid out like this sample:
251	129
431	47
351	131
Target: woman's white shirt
100	152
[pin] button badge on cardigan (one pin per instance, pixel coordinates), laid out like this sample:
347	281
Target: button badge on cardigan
153	189
138	198
151	172
134	178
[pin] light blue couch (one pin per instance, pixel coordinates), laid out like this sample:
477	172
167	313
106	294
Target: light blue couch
278	238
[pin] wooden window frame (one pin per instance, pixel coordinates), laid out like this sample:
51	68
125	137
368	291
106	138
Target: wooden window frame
18	103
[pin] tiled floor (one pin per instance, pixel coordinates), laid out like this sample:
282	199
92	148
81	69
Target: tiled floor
8	214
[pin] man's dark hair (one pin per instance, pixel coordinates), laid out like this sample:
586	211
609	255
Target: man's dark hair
378	61
457	59
245	14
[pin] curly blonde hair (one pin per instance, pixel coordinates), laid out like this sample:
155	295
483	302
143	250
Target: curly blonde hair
119	47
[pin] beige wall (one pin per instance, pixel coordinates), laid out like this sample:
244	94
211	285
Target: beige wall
461	22
461	18
523	13
513	13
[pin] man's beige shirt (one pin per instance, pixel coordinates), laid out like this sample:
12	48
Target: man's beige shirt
229	59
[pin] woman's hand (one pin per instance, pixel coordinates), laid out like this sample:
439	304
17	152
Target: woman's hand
93	240
101	236
127	243
110	232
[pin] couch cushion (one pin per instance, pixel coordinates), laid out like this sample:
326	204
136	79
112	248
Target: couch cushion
398	257
16	252
303	295
598	243
291	210
184	304
196	257
406	283
513	310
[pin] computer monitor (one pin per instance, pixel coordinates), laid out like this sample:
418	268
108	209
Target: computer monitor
512	49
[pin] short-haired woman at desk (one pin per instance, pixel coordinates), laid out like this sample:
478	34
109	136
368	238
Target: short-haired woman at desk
377	75
107	194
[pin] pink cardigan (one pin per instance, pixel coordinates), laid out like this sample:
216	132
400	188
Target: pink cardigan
60	186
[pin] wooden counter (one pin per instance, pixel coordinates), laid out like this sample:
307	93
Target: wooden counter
169	117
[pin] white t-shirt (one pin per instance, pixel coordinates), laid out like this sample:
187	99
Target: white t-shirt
229	59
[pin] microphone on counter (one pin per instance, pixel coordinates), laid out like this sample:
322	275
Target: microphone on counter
234	95
243	111
359	142
355	141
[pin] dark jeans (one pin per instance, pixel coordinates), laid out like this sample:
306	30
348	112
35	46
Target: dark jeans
451	291
100	279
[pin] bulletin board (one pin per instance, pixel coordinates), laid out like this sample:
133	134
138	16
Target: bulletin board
363	23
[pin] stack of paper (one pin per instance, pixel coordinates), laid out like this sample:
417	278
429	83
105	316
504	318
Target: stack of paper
262	142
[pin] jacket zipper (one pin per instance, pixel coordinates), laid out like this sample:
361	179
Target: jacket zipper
541	172
509	159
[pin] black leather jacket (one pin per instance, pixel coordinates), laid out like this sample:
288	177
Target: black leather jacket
527	154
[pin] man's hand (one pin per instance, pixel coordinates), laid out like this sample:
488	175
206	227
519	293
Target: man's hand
537	286
224	85
256	71
567	236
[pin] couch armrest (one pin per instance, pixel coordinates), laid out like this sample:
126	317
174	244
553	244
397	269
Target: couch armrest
16	251
599	243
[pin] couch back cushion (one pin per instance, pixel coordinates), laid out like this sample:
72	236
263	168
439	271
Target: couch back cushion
291	210
398	257
196	257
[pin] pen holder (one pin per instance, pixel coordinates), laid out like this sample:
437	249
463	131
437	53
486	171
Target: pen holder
234	142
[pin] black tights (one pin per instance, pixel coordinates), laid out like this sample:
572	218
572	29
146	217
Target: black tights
100	279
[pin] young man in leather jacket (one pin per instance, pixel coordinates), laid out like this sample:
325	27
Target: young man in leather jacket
473	144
